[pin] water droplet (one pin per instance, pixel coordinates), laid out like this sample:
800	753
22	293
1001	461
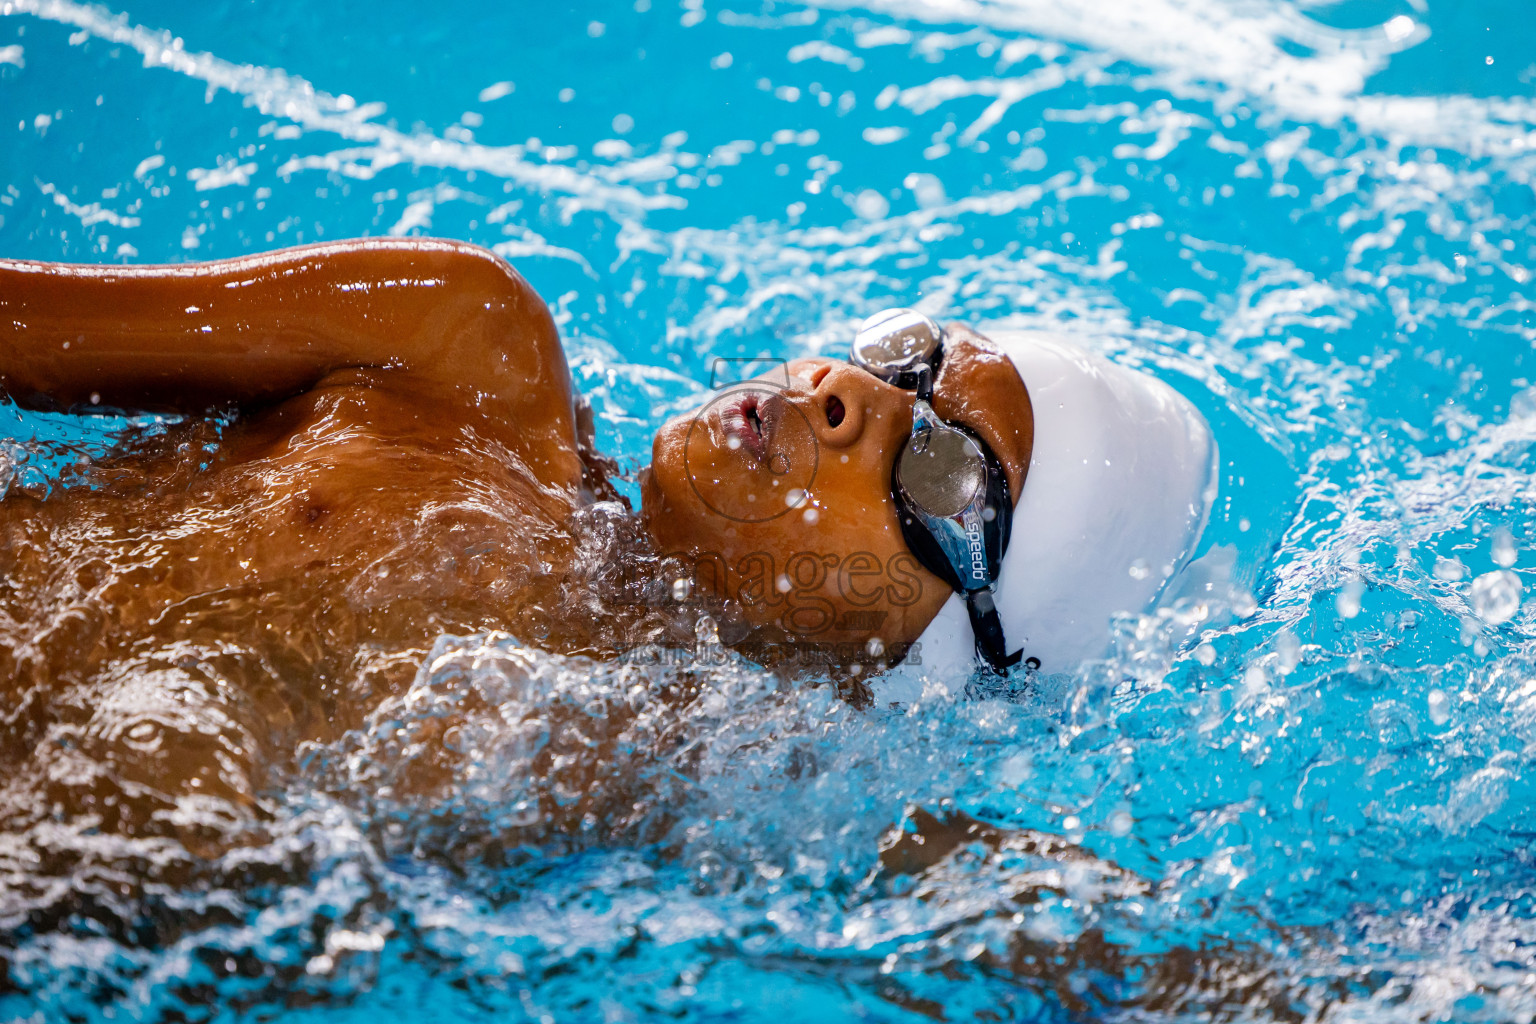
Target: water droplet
705	631
1120	823
1523	404
1449	569
794	498
144	734
875	648
782	584
681	588
1348	599
1139	570
1205	654
1287	652
1496	596
811	515
1399	28
927	189
1503	549
1439	707
871	205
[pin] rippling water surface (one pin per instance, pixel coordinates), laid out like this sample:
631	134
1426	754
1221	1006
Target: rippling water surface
1313	219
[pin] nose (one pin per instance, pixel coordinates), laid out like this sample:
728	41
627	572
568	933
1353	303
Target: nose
843	400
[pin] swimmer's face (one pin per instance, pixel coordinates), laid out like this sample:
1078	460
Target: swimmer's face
780	493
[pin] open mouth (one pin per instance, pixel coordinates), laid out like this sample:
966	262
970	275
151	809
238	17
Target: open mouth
750	420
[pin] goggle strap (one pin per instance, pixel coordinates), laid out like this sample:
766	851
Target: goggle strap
988	628
924	387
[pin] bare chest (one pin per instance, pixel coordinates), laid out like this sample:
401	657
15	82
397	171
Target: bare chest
395	531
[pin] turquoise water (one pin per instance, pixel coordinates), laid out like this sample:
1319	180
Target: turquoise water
1314	220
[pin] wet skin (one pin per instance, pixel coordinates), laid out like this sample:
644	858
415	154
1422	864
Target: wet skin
402	462
780	493
358	366
402	457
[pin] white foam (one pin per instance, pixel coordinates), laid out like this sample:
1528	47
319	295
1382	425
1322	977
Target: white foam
1205	47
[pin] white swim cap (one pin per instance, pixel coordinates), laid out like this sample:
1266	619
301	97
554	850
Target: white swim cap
1120	485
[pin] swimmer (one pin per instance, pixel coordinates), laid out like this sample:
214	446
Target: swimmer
380	443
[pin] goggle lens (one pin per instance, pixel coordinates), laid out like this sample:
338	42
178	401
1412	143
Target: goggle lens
942	470
893	344
949	492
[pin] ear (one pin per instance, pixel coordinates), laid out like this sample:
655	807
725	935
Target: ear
979	387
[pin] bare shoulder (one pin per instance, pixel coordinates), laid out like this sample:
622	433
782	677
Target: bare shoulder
452	342
478	350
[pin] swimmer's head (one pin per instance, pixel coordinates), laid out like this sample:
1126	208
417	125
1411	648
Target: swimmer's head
778	493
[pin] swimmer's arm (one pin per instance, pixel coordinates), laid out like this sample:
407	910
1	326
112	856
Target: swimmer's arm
446	320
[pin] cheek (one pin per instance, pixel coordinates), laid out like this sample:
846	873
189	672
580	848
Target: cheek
664	491
852	498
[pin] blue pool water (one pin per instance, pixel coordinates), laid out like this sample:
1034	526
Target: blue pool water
1316	220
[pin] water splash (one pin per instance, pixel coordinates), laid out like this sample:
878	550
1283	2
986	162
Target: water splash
1323	758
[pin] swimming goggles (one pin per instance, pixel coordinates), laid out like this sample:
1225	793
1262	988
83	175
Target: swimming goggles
950	490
